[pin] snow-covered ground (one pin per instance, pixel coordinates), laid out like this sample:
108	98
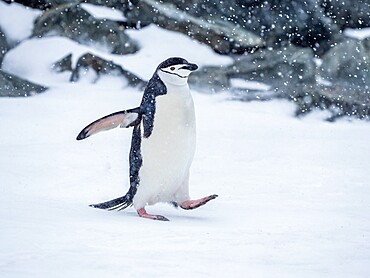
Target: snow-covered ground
294	194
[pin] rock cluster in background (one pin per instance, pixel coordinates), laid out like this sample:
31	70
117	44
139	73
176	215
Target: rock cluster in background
99	66
3	46
72	21
13	86
295	47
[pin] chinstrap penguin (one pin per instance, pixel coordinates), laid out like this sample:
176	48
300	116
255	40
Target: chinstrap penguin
163	142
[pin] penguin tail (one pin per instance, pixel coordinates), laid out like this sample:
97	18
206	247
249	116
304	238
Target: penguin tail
115	204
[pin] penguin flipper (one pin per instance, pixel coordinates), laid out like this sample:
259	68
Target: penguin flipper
125	118
115	204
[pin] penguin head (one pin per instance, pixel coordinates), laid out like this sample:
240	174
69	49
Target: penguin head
175	71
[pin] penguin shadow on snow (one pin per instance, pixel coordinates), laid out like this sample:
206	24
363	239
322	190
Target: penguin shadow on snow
162	145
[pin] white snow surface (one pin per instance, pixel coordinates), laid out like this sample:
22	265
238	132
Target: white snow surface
357	33
246	84
22	29
101	12
294	194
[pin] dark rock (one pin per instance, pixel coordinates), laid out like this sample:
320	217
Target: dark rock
301	22
291	74
339	99
212	78
13	86
367	45
348	13
232	26
100	67
65	64
48	4
221	35
277	67
344	79
348	62
3	46
41	4
72	21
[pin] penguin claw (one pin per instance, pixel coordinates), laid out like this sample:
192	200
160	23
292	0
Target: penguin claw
161	218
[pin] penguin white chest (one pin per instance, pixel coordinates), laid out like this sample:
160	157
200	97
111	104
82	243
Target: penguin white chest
168	152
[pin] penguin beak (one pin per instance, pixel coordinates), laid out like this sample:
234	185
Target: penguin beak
191	67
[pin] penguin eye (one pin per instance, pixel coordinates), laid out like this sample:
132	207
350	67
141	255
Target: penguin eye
172	68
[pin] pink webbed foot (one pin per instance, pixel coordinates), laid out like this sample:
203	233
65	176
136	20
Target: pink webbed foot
142	213
192	204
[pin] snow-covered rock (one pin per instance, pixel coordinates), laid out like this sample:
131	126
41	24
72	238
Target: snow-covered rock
74	22
17	30
14	86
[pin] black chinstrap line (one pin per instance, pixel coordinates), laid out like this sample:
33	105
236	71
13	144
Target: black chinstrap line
173	73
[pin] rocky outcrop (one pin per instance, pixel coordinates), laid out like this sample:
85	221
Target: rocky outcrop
3	46
221	35
277	67
99	66
344	79
348	13
340	100
238	26
13	86
42	4
64	64
277	43
347	63
291	74
72	21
